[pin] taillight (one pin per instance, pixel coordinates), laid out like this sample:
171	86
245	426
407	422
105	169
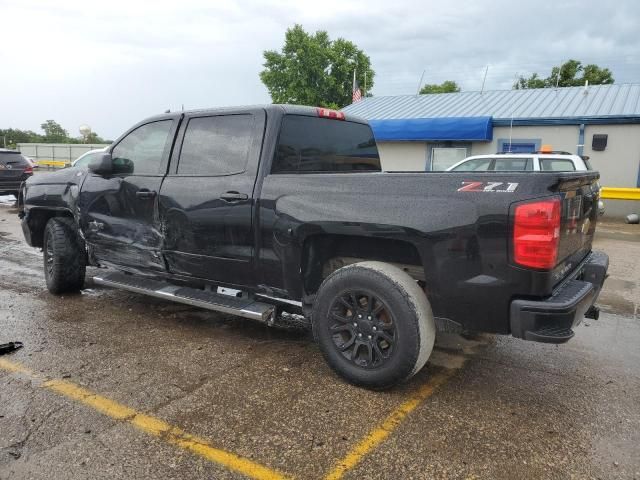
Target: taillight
328	113
28	170
536	234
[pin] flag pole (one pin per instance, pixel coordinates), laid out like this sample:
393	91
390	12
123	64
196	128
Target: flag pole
364	92
353	88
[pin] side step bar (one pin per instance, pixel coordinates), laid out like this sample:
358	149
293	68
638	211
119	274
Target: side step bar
242	307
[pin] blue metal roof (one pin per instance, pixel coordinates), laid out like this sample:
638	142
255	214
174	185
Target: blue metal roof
593	104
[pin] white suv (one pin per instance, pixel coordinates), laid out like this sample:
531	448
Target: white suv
526	162
522	162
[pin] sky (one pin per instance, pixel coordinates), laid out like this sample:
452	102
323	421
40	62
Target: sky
111	64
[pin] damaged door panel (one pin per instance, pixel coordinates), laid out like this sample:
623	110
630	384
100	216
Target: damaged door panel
119	216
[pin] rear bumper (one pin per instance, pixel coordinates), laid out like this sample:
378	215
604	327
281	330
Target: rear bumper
551	320
10	186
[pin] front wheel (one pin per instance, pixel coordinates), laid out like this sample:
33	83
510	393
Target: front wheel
64	256
374	324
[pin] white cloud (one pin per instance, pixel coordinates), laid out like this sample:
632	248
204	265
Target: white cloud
109	64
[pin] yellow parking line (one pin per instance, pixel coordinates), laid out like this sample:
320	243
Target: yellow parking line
15	368
381	432
152	426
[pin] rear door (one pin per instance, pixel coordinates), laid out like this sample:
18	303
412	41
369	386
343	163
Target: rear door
206	200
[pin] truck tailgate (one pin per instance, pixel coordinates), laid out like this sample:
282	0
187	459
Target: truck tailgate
579	210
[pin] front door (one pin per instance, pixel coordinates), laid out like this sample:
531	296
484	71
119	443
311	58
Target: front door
119	211
206	200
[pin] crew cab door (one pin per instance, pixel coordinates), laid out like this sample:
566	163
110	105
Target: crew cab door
119	211
206	200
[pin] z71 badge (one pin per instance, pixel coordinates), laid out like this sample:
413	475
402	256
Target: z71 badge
499	187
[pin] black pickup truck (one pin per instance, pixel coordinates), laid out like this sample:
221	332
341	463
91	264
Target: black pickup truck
278	212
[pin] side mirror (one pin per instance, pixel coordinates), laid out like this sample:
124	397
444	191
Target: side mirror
102	164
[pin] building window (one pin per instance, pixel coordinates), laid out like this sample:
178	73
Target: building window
442	157
519	145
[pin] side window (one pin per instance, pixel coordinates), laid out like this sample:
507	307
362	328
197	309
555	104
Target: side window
513	165
216	145
556	165
474	165
140	152
85	160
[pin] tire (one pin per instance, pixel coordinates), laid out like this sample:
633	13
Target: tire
396	327
64	256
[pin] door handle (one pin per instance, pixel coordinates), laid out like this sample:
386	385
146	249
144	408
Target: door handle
145	193
234	196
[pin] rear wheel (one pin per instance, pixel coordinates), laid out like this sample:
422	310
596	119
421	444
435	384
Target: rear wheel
64	256
374	324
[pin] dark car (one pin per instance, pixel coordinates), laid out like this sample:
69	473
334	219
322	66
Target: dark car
14	169
256	211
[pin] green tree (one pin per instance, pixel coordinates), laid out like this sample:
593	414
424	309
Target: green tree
448	86
314	70
54	133
93	137
570	74
13	136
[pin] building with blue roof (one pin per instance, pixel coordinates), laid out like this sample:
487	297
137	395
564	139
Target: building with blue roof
432	132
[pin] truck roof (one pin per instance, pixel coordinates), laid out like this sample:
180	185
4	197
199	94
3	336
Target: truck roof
269	107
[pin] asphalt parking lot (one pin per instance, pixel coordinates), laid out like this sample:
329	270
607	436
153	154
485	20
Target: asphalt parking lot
112	384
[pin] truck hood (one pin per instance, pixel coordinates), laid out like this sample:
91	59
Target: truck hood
63	176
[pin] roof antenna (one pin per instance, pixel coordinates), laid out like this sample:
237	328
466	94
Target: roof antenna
420	83
558	76
183	107
586	87
484	79
511	122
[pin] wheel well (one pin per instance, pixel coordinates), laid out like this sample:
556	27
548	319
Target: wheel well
38	219
324	254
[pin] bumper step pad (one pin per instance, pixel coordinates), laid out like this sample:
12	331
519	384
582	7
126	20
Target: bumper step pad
550	335
242	307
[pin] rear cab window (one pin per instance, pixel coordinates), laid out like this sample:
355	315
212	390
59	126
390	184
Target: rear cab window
323	145
556	165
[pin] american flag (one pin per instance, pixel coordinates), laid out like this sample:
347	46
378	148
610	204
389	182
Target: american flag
357	94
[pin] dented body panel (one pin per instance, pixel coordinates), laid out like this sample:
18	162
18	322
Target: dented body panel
281	234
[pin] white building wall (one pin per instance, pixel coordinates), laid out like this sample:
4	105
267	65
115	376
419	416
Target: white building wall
561	137
403	156
618	164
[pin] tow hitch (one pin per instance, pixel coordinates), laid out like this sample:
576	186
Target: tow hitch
593	312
